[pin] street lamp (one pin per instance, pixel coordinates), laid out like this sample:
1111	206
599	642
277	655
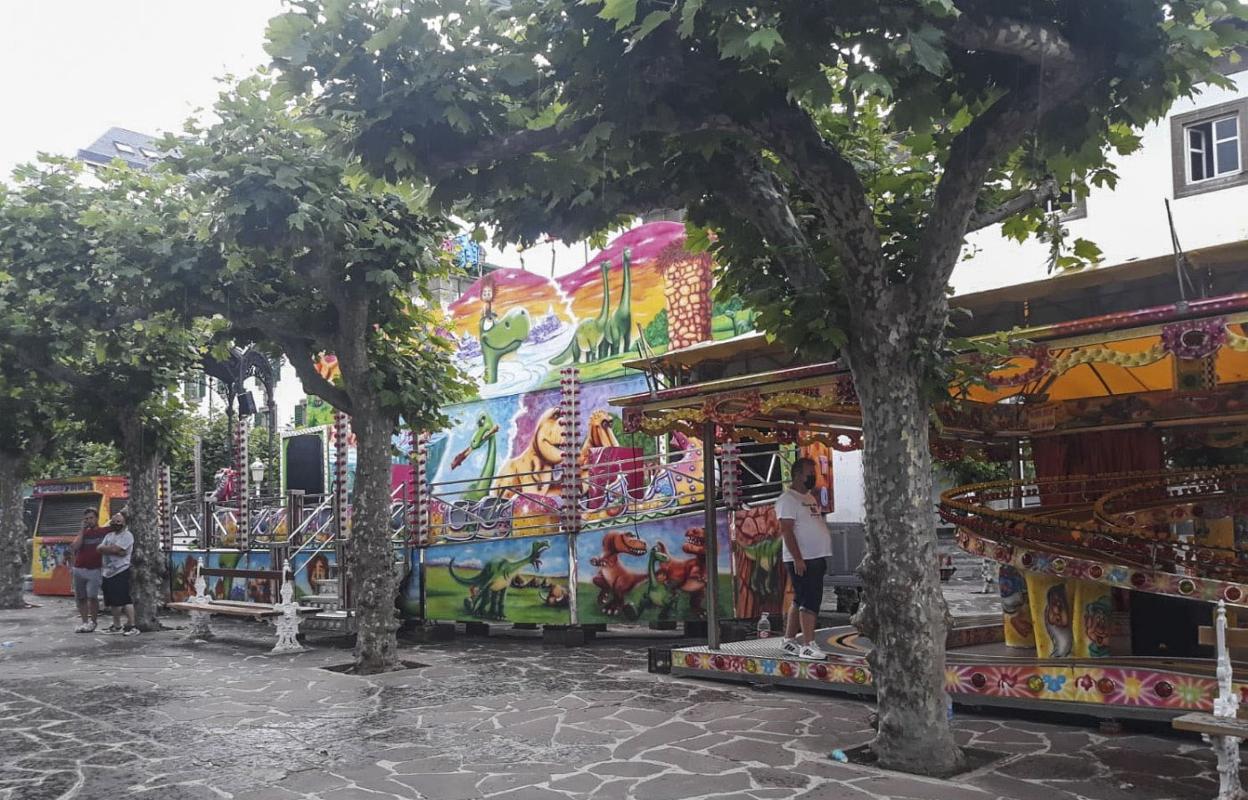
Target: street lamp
257	474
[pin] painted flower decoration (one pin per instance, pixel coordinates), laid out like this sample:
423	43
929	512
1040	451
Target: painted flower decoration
1194	339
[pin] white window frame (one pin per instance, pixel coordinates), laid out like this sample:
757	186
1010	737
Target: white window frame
1189	150
125	149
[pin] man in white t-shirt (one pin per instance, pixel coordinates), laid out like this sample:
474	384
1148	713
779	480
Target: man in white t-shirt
807	543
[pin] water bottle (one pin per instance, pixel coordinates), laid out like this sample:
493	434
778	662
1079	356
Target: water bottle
764	626
948	707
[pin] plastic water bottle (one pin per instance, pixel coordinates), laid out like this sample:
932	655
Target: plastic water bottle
948	707
764	626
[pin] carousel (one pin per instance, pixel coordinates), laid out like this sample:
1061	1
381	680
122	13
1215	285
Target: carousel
1124	518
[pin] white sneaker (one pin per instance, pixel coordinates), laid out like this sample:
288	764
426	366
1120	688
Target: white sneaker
812	652
90	627
792	647
82	628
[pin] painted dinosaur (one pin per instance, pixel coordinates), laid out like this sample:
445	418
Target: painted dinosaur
555	597
600	432
590	340
688	575
655	592
619	331
500	336
764	580
615	581
483	436
492	582
533	470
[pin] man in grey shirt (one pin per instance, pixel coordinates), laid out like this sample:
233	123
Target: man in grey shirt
116	550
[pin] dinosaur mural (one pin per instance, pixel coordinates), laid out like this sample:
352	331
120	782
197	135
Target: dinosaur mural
477	580
514	330
656	593
613	565
484	435
592	340
492	582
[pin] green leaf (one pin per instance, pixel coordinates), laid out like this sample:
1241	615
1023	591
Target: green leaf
458	119
872	83
1087	250
653	20
387	36
623	12
764	39
287	37
687	17
927	44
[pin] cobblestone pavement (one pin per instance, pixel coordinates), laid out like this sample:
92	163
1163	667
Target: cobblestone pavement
154	716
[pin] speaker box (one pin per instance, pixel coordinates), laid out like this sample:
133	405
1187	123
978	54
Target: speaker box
305	463
1166	626
246	404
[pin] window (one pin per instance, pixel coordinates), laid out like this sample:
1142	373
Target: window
1212	149
1208	148
149	153
122	147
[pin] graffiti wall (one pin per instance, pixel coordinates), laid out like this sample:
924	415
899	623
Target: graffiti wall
310	569
757	564
506	580
496	472
653	571
514	329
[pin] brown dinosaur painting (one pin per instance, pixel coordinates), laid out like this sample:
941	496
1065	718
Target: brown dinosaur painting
688	575
614	580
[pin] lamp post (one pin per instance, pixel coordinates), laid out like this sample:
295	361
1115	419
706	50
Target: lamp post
257	475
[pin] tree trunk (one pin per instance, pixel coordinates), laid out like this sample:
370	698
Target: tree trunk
372	576
12	533
904	612
149	580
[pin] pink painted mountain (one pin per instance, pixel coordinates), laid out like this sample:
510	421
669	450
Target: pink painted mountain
646	242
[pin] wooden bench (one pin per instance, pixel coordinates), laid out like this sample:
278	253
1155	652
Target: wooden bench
285	615
1223	729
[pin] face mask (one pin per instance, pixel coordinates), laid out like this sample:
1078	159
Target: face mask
809	483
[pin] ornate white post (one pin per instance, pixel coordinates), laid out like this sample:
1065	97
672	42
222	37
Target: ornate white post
1226	705
569	468
288	623
730	474
199	619
420	534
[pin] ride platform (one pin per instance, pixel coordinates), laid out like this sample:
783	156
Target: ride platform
980	670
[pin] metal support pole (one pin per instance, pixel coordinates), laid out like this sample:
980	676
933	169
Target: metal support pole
208	523
294	515
712	539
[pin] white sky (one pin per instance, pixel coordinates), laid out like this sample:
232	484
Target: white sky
74	68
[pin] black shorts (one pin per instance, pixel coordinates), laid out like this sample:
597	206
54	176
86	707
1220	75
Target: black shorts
808	588
117	590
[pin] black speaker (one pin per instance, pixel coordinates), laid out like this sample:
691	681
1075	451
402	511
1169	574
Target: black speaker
305	463
246	404
1167	626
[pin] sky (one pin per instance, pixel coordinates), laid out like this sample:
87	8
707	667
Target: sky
74	68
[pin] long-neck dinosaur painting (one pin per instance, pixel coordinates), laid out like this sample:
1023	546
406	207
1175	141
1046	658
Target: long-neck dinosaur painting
500	337
591	341
488	588
619	331
485	435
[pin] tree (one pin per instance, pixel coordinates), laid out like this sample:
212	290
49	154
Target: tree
74	258
839	151
27	418
314	257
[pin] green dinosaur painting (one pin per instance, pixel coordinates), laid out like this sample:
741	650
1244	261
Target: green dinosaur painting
654	593
765	577
619	333
483	436
500	337
487	589
590	340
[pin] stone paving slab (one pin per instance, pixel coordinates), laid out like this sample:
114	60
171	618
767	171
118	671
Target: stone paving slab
153	716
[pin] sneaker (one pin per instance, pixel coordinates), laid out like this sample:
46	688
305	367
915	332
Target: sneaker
130	631
112	629
90	627
812	652
792	647
82	628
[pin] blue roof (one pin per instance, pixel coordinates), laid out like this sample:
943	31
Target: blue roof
134	149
